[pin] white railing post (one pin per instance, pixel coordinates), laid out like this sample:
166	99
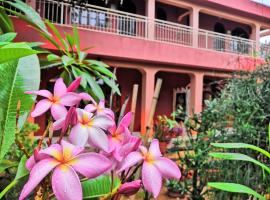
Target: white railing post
62	13
206	40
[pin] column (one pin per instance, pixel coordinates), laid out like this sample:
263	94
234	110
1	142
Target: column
196	92
150	13
194	23
31	3
148	86
255	35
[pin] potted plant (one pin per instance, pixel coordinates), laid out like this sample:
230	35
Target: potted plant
176	189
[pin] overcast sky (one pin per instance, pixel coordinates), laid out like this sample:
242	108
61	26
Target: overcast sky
266	2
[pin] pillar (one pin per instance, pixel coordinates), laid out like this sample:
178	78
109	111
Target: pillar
255	35
194	23
148	85
196	92
31	3
150	13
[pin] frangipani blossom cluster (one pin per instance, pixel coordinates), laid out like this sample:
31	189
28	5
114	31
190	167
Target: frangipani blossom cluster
114	149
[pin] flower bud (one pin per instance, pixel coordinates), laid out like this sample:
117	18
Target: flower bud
130	188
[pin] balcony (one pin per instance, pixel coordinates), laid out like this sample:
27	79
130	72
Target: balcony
137	26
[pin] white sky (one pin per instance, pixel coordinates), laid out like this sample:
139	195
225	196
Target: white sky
265	2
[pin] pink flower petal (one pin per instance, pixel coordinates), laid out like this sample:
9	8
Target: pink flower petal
91	165
125	121
167	168
41	107
132	159
102	121
151	178
38	172
58	111
55	150
83	115
74	85
98	138
90	108
70	151
130	188
101	103
78	135
43	93
154	148
86	97
106	111
70	99
30	163
66	184
59	88
57	125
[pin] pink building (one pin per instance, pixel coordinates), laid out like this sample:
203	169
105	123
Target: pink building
186	43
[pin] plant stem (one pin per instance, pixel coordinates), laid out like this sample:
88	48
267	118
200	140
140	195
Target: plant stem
11	185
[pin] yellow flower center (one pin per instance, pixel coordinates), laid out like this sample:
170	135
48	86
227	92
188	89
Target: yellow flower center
55	99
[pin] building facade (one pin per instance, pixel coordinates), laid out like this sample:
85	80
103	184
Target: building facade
189	44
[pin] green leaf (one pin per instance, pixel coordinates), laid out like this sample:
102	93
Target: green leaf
99	187
16	77
6	164
104	71
21	173
111	84
30	15
67	61
235	188
6	24
269	134
97	63
70	40
239	156
53	57
95	86
77	72
241	145
7	54
77	39
7	37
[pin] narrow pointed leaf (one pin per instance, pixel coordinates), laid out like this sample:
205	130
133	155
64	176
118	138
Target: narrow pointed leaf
235	188
241	145
6	24
239	156
111	84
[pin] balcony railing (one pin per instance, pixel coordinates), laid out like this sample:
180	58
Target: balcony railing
132	25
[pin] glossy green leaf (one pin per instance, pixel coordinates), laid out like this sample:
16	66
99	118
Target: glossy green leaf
16	77
53	57
97	63
67	61
21	173
77	39
111	84
99	187
95	87
104	71
7	54
6	24
77	72
241	145
7	37
235	188
6	164
239	156
30	14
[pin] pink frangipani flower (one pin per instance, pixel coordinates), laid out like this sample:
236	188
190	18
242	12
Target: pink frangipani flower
119	135
99	109
65	161
56	101
91	128
154	167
